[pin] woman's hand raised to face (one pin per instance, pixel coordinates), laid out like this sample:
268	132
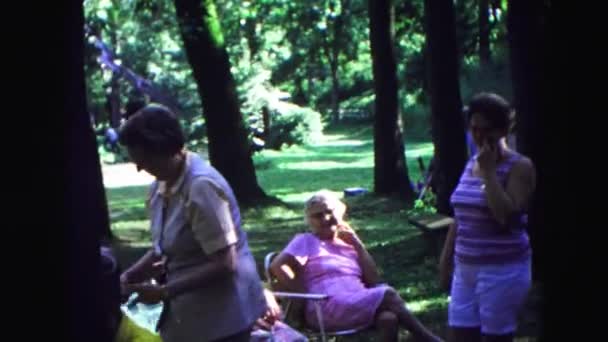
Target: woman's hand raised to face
488	158
348	235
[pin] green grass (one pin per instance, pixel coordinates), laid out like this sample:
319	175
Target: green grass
344	158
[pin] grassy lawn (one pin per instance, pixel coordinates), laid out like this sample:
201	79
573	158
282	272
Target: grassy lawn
344	158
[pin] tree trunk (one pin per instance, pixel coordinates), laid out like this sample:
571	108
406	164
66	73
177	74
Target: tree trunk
299	96
114	99
524	21
114	95
448	128
311	75
335	93
85	206
390	169
250	35
228	144
484	33
333	56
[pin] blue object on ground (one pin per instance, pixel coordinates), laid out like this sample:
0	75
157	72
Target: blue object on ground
351	192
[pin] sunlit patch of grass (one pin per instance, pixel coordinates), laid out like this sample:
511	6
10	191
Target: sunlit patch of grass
420	306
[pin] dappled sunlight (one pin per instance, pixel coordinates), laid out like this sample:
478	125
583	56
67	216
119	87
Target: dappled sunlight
421	150
324	165
341	143
327	136
270	213
381	243
421	306
135	233
305	182
127	207
298	198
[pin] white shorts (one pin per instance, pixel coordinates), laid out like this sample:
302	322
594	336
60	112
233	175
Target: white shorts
488	296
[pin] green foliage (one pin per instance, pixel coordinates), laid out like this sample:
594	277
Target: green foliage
281	53
424	205
494	78
145	38
212	21
289	123
416	115
292	124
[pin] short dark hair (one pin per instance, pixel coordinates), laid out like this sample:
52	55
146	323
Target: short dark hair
493	108
155	129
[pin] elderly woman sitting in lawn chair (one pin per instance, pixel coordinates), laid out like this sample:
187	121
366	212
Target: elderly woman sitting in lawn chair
332	260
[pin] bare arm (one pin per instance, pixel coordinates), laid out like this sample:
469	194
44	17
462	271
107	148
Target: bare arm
368	266
365	260
222	264
507	202
447	253
288	272
142	270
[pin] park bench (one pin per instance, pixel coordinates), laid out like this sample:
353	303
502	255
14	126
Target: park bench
434	229
354	114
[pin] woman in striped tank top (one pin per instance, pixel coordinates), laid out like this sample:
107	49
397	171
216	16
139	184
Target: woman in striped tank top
489	246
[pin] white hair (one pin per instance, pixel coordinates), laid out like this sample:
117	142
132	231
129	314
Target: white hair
326	198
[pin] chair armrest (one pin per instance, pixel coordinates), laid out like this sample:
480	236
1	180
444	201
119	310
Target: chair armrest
267	261
312	296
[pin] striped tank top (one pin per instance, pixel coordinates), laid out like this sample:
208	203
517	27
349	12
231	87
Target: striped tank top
480	238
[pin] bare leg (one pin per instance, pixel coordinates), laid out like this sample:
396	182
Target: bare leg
388	325
392	302
456	334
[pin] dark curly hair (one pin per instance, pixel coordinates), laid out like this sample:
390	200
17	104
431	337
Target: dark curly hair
492	107
155	129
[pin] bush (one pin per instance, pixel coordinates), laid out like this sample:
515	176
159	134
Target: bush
291	125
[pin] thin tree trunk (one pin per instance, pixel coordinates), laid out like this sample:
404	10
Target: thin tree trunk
390	169
332	52
114	98
484	33
448	128
335	94
524	21
251	37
